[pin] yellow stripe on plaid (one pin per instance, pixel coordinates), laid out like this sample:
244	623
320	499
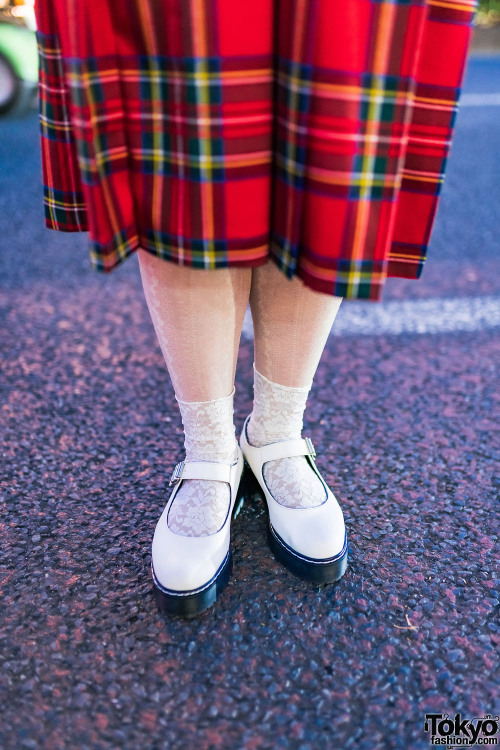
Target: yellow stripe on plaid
435	103
406	256
45	141
348	179
344	276
201	87
339	90
101	159
465	6
293	112
147	26
92	76
418	177
63	204
354	93
124	248
373	121
188	160
60	126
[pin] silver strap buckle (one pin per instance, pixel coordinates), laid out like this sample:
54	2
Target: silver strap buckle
177	472
310	447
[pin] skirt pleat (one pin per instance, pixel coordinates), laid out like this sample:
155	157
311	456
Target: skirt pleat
214	134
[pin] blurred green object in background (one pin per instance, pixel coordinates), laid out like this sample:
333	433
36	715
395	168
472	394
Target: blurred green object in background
488	13
18	55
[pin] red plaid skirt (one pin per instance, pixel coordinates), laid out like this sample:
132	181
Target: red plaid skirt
217	133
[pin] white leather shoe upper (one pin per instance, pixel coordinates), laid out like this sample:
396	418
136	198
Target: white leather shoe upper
183	563
317	532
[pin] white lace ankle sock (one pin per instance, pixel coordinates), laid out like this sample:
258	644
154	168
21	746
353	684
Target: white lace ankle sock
277	414
200	506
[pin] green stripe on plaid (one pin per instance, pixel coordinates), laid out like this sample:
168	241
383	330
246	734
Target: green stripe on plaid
189	135
202	159
294	81
167	246
383	100
86	89
204	87
367	275
106	257
54	118
64	209
67	210
195	249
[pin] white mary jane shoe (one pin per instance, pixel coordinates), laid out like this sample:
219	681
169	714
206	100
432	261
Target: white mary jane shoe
310	542
189	572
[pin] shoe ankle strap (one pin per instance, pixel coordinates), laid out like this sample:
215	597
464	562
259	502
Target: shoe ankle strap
201	470
287	448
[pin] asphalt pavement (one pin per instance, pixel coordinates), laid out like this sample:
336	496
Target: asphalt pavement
405	415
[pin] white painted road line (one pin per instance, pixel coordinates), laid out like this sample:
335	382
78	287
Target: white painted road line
479	100
396	317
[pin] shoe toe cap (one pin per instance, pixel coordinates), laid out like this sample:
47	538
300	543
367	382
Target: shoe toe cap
180	577
183	563
319	544
320	535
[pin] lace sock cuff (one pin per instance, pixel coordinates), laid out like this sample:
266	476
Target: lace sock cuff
278	411
209	429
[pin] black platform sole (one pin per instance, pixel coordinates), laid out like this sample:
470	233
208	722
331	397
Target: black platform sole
193	603
326	571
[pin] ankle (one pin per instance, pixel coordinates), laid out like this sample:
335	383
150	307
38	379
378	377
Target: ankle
209	433
220	453
277	411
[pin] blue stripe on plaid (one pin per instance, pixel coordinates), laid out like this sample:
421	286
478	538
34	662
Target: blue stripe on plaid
203	159
123	244
165	245
364	270
54	118
294	81
384	100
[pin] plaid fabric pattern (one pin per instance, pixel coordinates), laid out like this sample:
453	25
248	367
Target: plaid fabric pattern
214	133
